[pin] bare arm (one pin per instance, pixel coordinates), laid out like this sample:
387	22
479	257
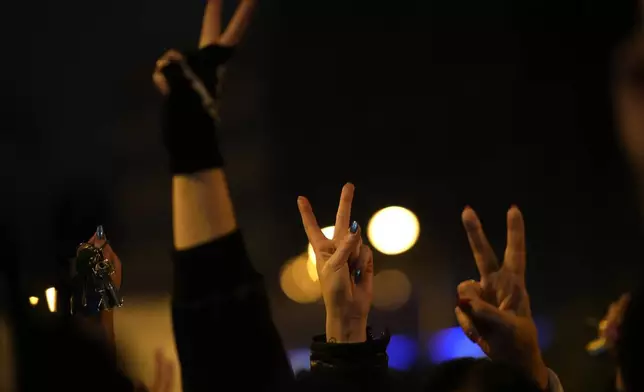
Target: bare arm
211	26
201	208
219	299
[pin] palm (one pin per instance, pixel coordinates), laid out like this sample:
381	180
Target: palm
340	289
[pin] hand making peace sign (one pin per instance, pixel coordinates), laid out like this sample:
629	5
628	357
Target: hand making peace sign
495	312
345	269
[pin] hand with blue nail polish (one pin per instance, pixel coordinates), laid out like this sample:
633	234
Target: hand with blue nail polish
345	270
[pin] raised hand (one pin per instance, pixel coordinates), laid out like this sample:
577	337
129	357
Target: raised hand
495	312
158	78
345	270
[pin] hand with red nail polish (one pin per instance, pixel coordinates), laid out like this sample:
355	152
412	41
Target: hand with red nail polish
347	298
495	311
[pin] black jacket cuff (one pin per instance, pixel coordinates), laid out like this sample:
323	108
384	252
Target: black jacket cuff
368	357
218	269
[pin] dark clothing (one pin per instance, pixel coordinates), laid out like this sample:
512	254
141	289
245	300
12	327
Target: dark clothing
351	366
222	322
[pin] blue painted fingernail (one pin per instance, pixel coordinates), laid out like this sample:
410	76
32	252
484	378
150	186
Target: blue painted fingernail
100	233
357	275
354	227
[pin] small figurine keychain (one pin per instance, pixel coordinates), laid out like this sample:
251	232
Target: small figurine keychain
94	289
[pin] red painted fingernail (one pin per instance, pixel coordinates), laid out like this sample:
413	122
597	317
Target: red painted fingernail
470	335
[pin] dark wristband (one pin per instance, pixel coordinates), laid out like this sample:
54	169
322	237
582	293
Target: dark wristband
369	356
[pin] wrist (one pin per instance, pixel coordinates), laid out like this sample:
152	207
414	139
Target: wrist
539	373
346	330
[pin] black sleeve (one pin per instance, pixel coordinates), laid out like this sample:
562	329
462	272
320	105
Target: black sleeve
222	321
351	366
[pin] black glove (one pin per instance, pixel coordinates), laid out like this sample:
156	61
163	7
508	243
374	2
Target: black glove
188	128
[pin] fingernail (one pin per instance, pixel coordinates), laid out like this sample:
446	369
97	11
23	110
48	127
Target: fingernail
357	275
100	233
464	304
354	227
470	335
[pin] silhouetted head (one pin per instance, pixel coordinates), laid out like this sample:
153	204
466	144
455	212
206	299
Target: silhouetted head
478	375
630	345
48	353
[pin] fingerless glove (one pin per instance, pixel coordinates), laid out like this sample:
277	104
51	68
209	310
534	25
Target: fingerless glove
189	130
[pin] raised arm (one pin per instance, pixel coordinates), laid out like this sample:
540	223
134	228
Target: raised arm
211	26
220	309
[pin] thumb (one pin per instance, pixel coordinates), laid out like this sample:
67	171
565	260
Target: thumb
467	325
481	310
347	246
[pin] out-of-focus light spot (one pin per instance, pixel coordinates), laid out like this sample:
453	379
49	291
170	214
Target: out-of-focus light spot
313	273
311	269
393	230
328	233
452	343
296	281
300	359
50	293
391	290
33	301
546	331
402	352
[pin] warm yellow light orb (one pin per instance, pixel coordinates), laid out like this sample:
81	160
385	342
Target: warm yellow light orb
33	301
393	230
391	290
50	294
296	281
313	273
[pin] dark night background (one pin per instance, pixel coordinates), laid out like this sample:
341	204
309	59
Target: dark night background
431	105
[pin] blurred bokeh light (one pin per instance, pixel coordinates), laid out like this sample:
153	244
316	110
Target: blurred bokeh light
142	328
299	359
402	351
391	290
393	230
50	294
296	281
452	343
313	273
33	301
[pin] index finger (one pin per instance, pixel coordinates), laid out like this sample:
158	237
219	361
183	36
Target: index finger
343	216
515	254
486	260
311	227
